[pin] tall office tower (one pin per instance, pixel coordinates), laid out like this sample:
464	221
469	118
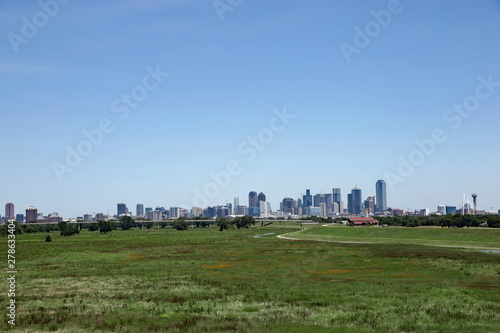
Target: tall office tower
20	218
381	195
31	214
139	210
121	209
265	209
261	197
308	199
253	204
87	217
322	207
355	203
441	210
253	199
99	217
287	206
236	203
299	203
337	196
349	203
9	211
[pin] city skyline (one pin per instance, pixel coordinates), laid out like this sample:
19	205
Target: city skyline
158	101
355	203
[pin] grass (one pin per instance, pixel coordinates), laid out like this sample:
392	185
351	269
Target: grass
435	236
203	280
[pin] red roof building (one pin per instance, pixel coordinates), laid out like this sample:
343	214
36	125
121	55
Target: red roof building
361	220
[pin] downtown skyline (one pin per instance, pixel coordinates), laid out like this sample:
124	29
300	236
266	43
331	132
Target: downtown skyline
353	202
155	97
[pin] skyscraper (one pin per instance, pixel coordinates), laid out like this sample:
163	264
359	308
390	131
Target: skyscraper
139	210
355	202
9	211
121	209
253	200
308	199
381	196
337	197
253	204
236	203
261	197
31	214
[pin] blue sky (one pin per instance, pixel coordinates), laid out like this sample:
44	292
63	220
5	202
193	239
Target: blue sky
353	120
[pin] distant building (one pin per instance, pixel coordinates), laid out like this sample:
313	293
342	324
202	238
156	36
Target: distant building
354	202
424	212
381	196
139	210
236	203
326	199
157	215
369	206
451	210
53	218
287	206
241	210
100	217
441	210
265	209
322	209
175	212
253	204
316	211
121	209
362	220
337	197
87	217
9	211
20	218
31	214
223	211
197	211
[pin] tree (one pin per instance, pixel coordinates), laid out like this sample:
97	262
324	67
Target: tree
180	224
93	227
244	221
67	230
106	226
126	222
222	223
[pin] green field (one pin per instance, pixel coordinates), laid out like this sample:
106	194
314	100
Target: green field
203	280
435	236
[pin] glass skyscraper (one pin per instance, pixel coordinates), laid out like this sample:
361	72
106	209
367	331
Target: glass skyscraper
381	196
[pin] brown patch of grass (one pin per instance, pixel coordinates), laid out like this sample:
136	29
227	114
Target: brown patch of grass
221	265
407	275
330	271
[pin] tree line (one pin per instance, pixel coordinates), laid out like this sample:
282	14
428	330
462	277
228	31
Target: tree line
450	221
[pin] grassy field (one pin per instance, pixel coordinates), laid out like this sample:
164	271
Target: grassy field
203	280
436	236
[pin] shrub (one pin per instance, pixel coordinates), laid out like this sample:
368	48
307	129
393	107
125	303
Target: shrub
180	224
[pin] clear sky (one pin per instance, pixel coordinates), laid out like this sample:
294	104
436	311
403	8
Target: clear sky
363	79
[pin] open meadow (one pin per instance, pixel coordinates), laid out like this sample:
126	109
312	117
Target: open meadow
203	280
